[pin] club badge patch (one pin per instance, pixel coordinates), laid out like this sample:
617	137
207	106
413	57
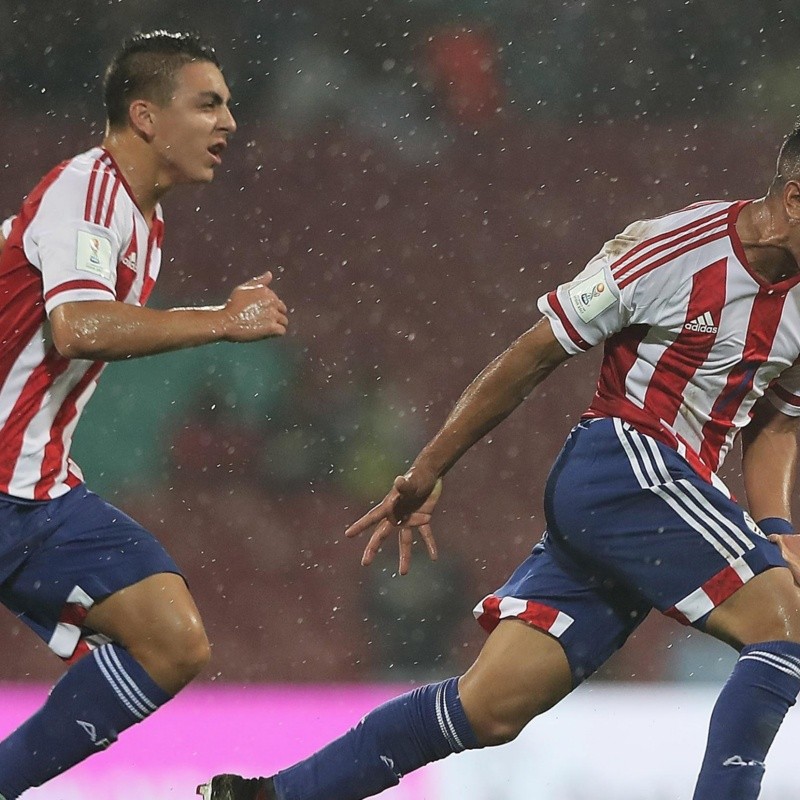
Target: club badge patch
94	255
591	296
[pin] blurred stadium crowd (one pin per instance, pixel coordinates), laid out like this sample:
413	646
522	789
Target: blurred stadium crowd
416	173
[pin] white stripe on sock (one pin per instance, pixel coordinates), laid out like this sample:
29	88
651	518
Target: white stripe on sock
132	684
106	654
113	685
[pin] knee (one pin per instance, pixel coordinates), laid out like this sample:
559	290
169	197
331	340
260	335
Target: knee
192	654
176	658
492	728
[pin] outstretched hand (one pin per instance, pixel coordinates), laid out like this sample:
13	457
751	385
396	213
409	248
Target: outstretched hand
254	311
789	544
408	506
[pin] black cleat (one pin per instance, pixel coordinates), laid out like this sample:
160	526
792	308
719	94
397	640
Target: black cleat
234	787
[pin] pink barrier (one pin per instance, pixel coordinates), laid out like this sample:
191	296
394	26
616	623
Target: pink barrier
251	730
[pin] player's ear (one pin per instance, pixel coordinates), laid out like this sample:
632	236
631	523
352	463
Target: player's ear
791	201
142	118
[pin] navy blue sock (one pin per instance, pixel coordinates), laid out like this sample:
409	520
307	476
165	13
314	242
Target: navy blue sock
750	709
391	741
104	693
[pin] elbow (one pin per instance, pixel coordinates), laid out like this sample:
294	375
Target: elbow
74	347
76	341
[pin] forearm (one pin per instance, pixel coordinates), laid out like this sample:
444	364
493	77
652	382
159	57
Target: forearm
769	463
112	331
492	396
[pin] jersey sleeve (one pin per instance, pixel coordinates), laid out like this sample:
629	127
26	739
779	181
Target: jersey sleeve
586	310
601	300
784	391
77	258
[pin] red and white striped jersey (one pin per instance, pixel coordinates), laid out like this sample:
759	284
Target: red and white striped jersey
693	337
78	236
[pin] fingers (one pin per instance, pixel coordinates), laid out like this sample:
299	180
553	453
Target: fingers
405	535
375	542
373	516
426	533
405	540
264	279
405	508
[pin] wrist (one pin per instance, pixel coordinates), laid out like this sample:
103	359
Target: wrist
779	525
219	322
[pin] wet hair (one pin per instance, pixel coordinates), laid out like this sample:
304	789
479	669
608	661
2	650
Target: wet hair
788	166
145	67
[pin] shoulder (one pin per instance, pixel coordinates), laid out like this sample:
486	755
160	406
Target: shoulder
647	244
668	229
68	180
85	188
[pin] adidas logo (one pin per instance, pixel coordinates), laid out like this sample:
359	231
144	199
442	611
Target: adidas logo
702	324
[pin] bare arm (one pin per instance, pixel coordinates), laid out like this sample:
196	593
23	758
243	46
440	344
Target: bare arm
769	461
492	396
488	400
107	330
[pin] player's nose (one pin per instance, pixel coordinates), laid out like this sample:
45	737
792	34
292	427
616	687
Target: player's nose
227	121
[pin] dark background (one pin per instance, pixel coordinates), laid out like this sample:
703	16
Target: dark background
416	173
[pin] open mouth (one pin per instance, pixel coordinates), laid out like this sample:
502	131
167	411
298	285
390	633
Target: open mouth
216	152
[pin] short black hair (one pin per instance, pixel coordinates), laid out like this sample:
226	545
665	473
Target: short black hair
145	67
788	166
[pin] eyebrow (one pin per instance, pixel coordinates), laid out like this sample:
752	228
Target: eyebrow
215	97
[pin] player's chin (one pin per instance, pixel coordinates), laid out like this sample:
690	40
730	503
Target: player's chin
204	174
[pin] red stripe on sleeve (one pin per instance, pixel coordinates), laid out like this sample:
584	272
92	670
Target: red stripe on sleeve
573	334
69	286
785	395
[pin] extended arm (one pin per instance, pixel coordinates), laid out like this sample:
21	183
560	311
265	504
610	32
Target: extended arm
489	399
108	331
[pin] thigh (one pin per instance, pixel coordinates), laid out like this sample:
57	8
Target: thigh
635	510
520	673
93	551
155	612
765	609
588	613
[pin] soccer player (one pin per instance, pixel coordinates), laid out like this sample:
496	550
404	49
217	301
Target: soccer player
79	261
699	311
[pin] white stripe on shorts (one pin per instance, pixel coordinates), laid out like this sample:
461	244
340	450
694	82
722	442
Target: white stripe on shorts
684	499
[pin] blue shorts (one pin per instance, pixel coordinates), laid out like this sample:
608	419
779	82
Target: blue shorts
630	527
59	557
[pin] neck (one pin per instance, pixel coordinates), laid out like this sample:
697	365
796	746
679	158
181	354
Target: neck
138	167
769	239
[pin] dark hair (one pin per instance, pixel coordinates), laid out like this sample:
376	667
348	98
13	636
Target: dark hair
145	67
788	166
